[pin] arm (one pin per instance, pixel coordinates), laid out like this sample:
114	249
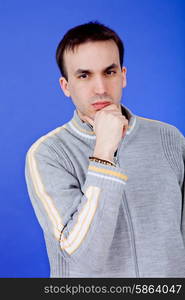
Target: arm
82	220
183	191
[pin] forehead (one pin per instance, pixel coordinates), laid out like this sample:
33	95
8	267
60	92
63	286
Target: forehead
92	55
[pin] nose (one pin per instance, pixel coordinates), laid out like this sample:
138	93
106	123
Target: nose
100	85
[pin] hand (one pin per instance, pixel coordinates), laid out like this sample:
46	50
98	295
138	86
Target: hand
110	126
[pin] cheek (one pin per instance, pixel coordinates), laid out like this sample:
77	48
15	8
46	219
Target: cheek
77	89
116	85
79	95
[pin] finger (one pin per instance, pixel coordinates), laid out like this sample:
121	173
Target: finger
110	107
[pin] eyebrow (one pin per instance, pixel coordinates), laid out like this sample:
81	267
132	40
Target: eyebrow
82	71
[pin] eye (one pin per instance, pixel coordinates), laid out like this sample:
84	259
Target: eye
110	72
83	76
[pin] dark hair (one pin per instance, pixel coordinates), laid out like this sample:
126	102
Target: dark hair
92	31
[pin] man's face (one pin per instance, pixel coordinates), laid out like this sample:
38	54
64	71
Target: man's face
94	76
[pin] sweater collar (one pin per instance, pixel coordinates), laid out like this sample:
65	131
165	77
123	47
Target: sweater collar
86	130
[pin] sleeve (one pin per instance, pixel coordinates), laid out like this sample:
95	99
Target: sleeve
81	219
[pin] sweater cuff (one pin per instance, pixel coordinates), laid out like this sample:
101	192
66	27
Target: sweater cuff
106	176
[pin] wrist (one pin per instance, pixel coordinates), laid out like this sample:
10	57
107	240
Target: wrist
104	154
102	161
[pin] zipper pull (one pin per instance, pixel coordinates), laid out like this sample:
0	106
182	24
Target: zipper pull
115	157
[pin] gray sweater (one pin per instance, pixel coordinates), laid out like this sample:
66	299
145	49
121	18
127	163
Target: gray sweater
106	221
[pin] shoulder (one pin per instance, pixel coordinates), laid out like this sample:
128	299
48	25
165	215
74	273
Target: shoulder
154	123
45	143
170	134
159	125
50	149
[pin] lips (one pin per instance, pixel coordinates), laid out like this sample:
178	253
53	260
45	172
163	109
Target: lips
100	105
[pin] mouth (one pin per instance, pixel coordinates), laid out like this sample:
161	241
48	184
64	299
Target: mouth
100	105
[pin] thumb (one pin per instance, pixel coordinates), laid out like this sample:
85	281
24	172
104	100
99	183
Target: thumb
124	130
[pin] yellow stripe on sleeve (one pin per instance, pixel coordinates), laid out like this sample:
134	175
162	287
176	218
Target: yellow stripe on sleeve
110	172
85	217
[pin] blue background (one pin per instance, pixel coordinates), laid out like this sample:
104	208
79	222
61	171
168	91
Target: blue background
32	103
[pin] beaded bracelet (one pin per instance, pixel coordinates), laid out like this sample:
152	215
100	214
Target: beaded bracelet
102	161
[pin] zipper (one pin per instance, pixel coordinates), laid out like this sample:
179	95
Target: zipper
125	204
132	236
116	154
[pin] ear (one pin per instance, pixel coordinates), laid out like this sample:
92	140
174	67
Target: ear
124	72
64	86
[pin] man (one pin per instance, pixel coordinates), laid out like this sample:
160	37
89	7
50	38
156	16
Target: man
107	187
